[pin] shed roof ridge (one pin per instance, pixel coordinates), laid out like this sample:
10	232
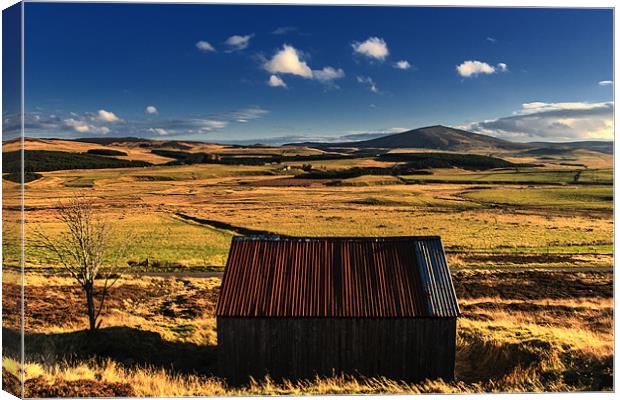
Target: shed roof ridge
334	238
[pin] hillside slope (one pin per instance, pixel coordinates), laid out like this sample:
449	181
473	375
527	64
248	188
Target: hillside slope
436	137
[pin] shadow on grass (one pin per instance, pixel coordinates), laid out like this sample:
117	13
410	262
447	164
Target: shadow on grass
127	346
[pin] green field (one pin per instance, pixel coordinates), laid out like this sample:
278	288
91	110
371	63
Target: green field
166	241
521	176
517	210
566	198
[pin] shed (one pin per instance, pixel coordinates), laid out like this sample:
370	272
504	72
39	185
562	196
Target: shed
294	308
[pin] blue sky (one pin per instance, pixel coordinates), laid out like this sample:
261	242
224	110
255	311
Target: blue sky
236	73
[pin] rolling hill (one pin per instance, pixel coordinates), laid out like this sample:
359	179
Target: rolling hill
441	137
436	137
600	146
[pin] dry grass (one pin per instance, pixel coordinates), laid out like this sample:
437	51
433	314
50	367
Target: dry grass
516	357
552	333
133	153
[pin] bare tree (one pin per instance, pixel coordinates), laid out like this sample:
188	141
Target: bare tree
86	251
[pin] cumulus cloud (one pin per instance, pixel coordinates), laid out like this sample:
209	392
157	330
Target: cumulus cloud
372	47
366	80
402	64
93	123
107	116
81	126
552	121
491	39
76	125
328	74
606	83
238	42
276	81
471	68
151	110
288	61
205	46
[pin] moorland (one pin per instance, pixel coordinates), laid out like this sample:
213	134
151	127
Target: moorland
527	228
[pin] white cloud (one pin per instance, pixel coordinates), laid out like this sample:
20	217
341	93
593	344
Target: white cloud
373	47
107	116
491	39
244	114
205	46
539	106
208	125
328	74
502	67
472	68
366	80
402	64
238	42
78	126
288	61
81	126
151	110
276	81
158	131
606	83
71	124
190	126
552	121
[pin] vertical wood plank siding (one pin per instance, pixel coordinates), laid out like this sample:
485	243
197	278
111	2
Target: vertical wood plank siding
408	349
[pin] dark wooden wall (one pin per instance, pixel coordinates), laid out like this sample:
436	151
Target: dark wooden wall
409	349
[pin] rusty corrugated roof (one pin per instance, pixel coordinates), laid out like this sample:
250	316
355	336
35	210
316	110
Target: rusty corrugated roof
337	277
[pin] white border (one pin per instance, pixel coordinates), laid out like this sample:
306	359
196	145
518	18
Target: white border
455	3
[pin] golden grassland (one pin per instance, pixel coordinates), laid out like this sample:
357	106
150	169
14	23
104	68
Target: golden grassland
558	338
133	153
522	329
517	218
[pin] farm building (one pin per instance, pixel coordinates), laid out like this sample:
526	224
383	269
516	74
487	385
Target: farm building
294	308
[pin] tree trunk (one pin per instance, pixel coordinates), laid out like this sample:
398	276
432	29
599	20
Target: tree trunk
90	304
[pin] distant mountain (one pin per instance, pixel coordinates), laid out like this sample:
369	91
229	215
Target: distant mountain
441	137
436	137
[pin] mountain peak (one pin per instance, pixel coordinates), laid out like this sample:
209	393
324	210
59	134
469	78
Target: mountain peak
434	127
435	137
